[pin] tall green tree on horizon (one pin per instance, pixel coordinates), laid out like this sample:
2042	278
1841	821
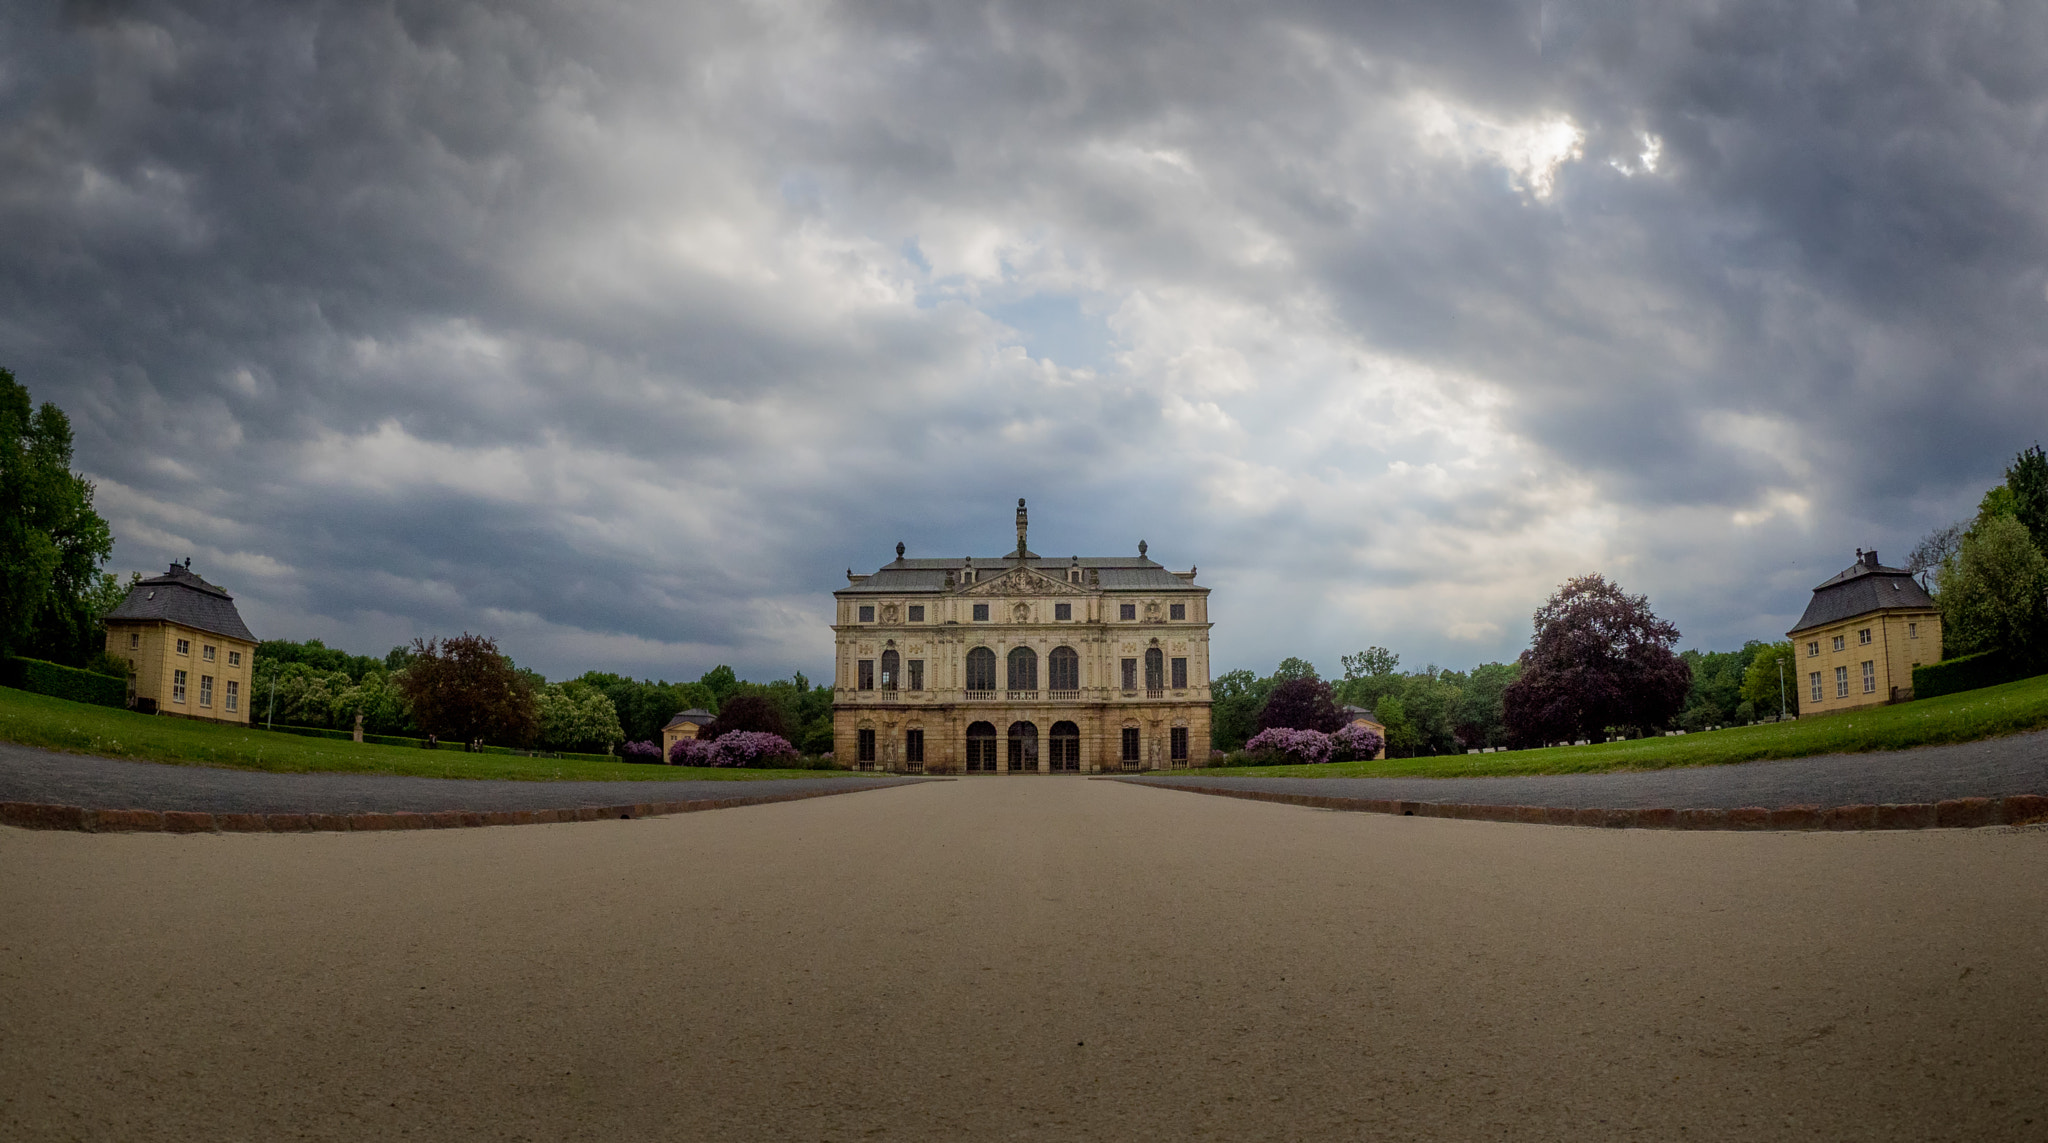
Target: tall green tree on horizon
52	544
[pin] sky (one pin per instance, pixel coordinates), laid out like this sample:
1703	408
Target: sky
619	331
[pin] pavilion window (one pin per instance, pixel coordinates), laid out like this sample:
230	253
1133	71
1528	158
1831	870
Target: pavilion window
1863	637
177	686
867	613
866	746
981	613
1063	669
1130	751
1180	674
1838	643
1127	611
234	695
981	671
866	671
1155	669
135	640
1130	679
914	679
1841	682
1023	669
1177	611
913	746
1061	612
892	667
981	747
206	690
1179	744
1815	677
206	651
1869	676
234	658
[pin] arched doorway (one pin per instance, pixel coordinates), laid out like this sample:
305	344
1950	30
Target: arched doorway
981	748
1066	747
1023	746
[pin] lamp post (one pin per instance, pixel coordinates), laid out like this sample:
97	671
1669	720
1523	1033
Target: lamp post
1781	690
270	719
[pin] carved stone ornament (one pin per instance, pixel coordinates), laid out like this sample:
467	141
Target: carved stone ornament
888	613
1021	613
1130	648
867	648
917	648
1022	581
1152	610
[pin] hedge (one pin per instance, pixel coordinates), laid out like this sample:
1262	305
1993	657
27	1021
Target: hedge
394	740
45	678
1967	673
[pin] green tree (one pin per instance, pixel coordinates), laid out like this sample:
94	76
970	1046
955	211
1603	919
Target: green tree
578	717
1235	699
2027	481
378	698
1480	720
1992	592
52	543
1760	680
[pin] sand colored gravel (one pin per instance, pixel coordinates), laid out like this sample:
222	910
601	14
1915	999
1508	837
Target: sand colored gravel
1029	958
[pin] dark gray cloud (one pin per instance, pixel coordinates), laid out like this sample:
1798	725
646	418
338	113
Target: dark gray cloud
619	330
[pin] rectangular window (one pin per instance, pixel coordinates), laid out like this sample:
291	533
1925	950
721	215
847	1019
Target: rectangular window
1177	611
234	658
1816	685
1130	674
1841	682
234	695
206	651
135	640
1180	744
184	646
1863	637
867	613
866	747
206	690
1127	611
866	674
1130	744
913	746
1838	642
1062	611
1180	674
916	674
1912	630
177	686
1813	648
917	613
981	613
1869	676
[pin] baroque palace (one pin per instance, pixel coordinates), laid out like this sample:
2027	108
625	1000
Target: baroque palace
1021	663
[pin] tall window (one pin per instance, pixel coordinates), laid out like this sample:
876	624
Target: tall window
867	613
177	686
981	613
1063	669
1816	685
234	695
1061	612
981	747
135	640
1127	611
866	672
892	667
913	746
917	615
916	674
1066	747
1179	745
1841	682
206	690
865	740
1023	669
1177	611
1155	669
1180	674
1912	630
1130	753
1023	746
1869	676
981	671
1130	674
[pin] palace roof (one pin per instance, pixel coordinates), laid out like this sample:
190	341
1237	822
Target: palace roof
1863	587
178	596
1112	573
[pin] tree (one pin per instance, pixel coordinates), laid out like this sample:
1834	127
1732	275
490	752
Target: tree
1480	720
52	543
1992	593
576	716
1934	550
2027	478
462	689
1761	681
747	712
1599	659
1369	662
1234	701
1300	703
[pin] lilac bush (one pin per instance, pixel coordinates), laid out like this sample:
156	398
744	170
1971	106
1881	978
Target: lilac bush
640	752
754	748
690	752
1353	742
1299	746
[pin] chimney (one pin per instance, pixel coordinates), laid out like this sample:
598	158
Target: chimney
1870	558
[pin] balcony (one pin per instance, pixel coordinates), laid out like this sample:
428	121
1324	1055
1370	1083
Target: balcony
1064	696
980	696
1155	692
1022	696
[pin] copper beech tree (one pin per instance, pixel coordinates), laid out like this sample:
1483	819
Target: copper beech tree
1599	660
462	689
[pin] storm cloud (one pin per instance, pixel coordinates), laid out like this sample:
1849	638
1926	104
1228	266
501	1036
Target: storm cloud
620	330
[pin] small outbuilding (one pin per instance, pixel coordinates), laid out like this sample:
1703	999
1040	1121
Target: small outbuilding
1863	633
685	724
188	652
1359	716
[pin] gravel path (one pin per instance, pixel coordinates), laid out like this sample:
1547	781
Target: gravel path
31	775
1993	768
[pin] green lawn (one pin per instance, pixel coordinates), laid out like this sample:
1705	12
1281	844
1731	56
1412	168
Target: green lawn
57	724
1964	717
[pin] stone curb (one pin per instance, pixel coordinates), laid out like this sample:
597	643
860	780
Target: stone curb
1957	813
39	815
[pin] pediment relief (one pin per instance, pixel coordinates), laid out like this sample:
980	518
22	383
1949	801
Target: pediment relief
1023	581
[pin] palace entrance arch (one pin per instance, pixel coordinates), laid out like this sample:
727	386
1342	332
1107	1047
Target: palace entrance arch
1066	748
1023	746
981	747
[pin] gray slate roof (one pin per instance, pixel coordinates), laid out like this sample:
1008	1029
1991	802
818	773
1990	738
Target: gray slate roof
178	596
1861	589
700	717
1116	573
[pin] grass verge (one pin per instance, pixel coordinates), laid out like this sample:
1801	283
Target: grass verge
56	724
1964	717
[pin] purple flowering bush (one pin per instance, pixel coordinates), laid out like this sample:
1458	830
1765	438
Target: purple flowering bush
640	752
1298	746
690	752
756	749
1352	743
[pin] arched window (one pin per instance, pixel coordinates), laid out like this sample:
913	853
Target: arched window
1023	746
1023	669
1155	669
1063	670
981	745
891	664
981	672
1066	747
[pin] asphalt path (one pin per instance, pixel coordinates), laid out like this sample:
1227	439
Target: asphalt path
28	774
1024	960
1993	768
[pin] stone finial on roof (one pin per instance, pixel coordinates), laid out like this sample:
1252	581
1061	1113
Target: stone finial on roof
899	549
1141	549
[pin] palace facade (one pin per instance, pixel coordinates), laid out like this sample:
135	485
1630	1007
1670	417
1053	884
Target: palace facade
1021	664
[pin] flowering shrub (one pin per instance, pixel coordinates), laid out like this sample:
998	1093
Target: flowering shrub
690	752
1353	742
753	748
640	752
1301	746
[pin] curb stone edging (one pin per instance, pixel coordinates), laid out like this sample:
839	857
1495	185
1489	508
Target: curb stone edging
42	815
1956	813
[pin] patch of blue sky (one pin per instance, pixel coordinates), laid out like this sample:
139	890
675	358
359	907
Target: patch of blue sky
1056	328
